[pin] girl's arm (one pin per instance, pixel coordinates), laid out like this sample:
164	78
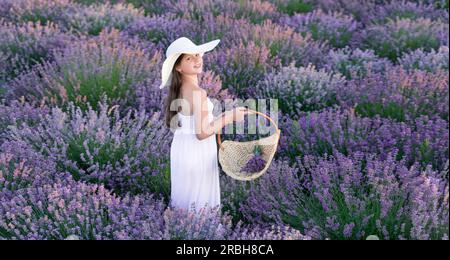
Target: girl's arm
204	129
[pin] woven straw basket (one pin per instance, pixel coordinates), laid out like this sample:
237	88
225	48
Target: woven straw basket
233	155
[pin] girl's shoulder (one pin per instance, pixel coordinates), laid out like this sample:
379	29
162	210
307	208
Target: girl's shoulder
194	89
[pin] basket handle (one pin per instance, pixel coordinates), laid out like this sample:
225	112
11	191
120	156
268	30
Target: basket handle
255	112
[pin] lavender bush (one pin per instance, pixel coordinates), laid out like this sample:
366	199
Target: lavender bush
233	193
256	11
71	16
94	18
25	45
300	89
19	112
86	70
22	167
336	28
160	29
406	9
243	66
38	11
289	46
423	141
341	197
355	63
401	35
55	211
361	12
282	41
291	7
428	61
127	154
398	94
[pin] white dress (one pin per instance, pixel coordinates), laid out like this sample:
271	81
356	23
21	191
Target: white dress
194	167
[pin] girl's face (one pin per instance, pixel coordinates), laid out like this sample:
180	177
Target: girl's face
191	64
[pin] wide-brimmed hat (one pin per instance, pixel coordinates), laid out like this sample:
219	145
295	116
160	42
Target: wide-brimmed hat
178	47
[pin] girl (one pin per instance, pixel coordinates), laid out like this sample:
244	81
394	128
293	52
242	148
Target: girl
193	155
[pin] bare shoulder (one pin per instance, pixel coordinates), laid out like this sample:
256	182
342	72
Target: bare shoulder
191	89
199	91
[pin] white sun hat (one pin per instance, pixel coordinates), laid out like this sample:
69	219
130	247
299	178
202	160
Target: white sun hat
178	47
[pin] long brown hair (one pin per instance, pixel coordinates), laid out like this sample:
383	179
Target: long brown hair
174	93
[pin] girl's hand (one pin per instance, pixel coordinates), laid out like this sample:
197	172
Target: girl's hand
239	114
236	114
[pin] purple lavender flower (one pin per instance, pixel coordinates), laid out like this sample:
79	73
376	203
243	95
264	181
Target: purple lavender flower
243	66
43	11
256	162
336	28
26	44
284	44
423	139
356	63
362	194
398	94
22	167
104	147
421	60
160	29
92	19
19	112
255	11
88	69
402	35
300	89
406	9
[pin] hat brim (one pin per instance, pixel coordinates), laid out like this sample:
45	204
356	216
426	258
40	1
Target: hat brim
204	47
170	60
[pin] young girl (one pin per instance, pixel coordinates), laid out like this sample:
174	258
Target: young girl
193	155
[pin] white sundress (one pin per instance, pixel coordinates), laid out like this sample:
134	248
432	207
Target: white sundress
194	167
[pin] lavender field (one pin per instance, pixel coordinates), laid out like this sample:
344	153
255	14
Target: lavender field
363	97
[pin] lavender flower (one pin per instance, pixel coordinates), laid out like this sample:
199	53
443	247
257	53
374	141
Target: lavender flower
161	29
356	63
300	89
255	11
241	66
19	112
432	61
406	9
423	140
70	16
362	194
22	167
255	164
401	35
27	44
86	70
55	211
281	40
93	19
127	154
398	94
42	11
336	28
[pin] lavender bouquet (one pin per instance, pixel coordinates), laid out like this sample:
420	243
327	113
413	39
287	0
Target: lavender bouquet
256	163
